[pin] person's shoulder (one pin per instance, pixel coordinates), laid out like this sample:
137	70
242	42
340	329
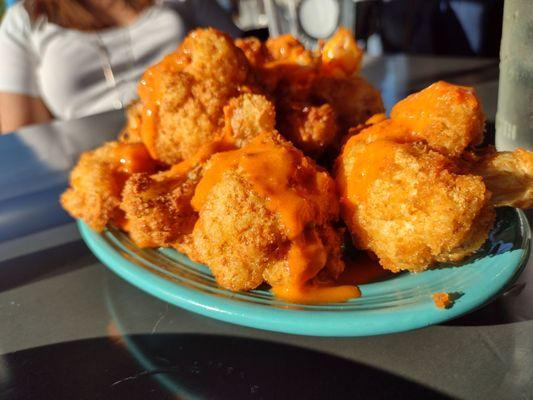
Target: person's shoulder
16	18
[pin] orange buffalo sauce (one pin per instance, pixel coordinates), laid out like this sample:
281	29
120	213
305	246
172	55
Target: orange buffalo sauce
362	269
316	294
201	156
307	256
420	110
271	169
293	188
357	170
131	158
367	167
340	55
149	89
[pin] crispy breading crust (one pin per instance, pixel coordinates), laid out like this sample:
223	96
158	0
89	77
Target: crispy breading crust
131	132
318	94
448	117
190	115
247	116
418	210
310	128
508	175
158	209
354	99
94	195
237	236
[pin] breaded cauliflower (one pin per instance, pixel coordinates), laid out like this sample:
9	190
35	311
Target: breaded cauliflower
265	214
184	95
408	205
448	117
97	180
318	95
158	207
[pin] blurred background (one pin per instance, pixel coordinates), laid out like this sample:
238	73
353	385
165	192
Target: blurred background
38	41
447	27
444	27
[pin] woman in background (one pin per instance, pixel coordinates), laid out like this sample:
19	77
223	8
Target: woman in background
67	59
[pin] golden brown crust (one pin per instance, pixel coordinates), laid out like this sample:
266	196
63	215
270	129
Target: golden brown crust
95	187
448	117
190	115
207	53
417	210
311	128
353	99
157	208
247	116
508	175
237	236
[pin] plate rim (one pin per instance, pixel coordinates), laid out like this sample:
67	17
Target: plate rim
315	323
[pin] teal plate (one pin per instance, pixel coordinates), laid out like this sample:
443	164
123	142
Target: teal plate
401	303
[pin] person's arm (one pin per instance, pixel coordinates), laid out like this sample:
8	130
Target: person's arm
17	110
20	98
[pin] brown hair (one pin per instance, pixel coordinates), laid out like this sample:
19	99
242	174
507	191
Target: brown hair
74	14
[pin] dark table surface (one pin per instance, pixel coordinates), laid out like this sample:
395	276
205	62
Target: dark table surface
72	329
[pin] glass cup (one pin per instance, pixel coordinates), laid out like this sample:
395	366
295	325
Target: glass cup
309	20
514	117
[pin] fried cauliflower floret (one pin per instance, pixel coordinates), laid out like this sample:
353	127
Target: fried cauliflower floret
407	204
184	95
340	55
209	53
254	50
310	128
508	176
190	115
237	236
247	116
94	192
318	94
158	207
97	180
354	100
285	49
448	117
265	214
